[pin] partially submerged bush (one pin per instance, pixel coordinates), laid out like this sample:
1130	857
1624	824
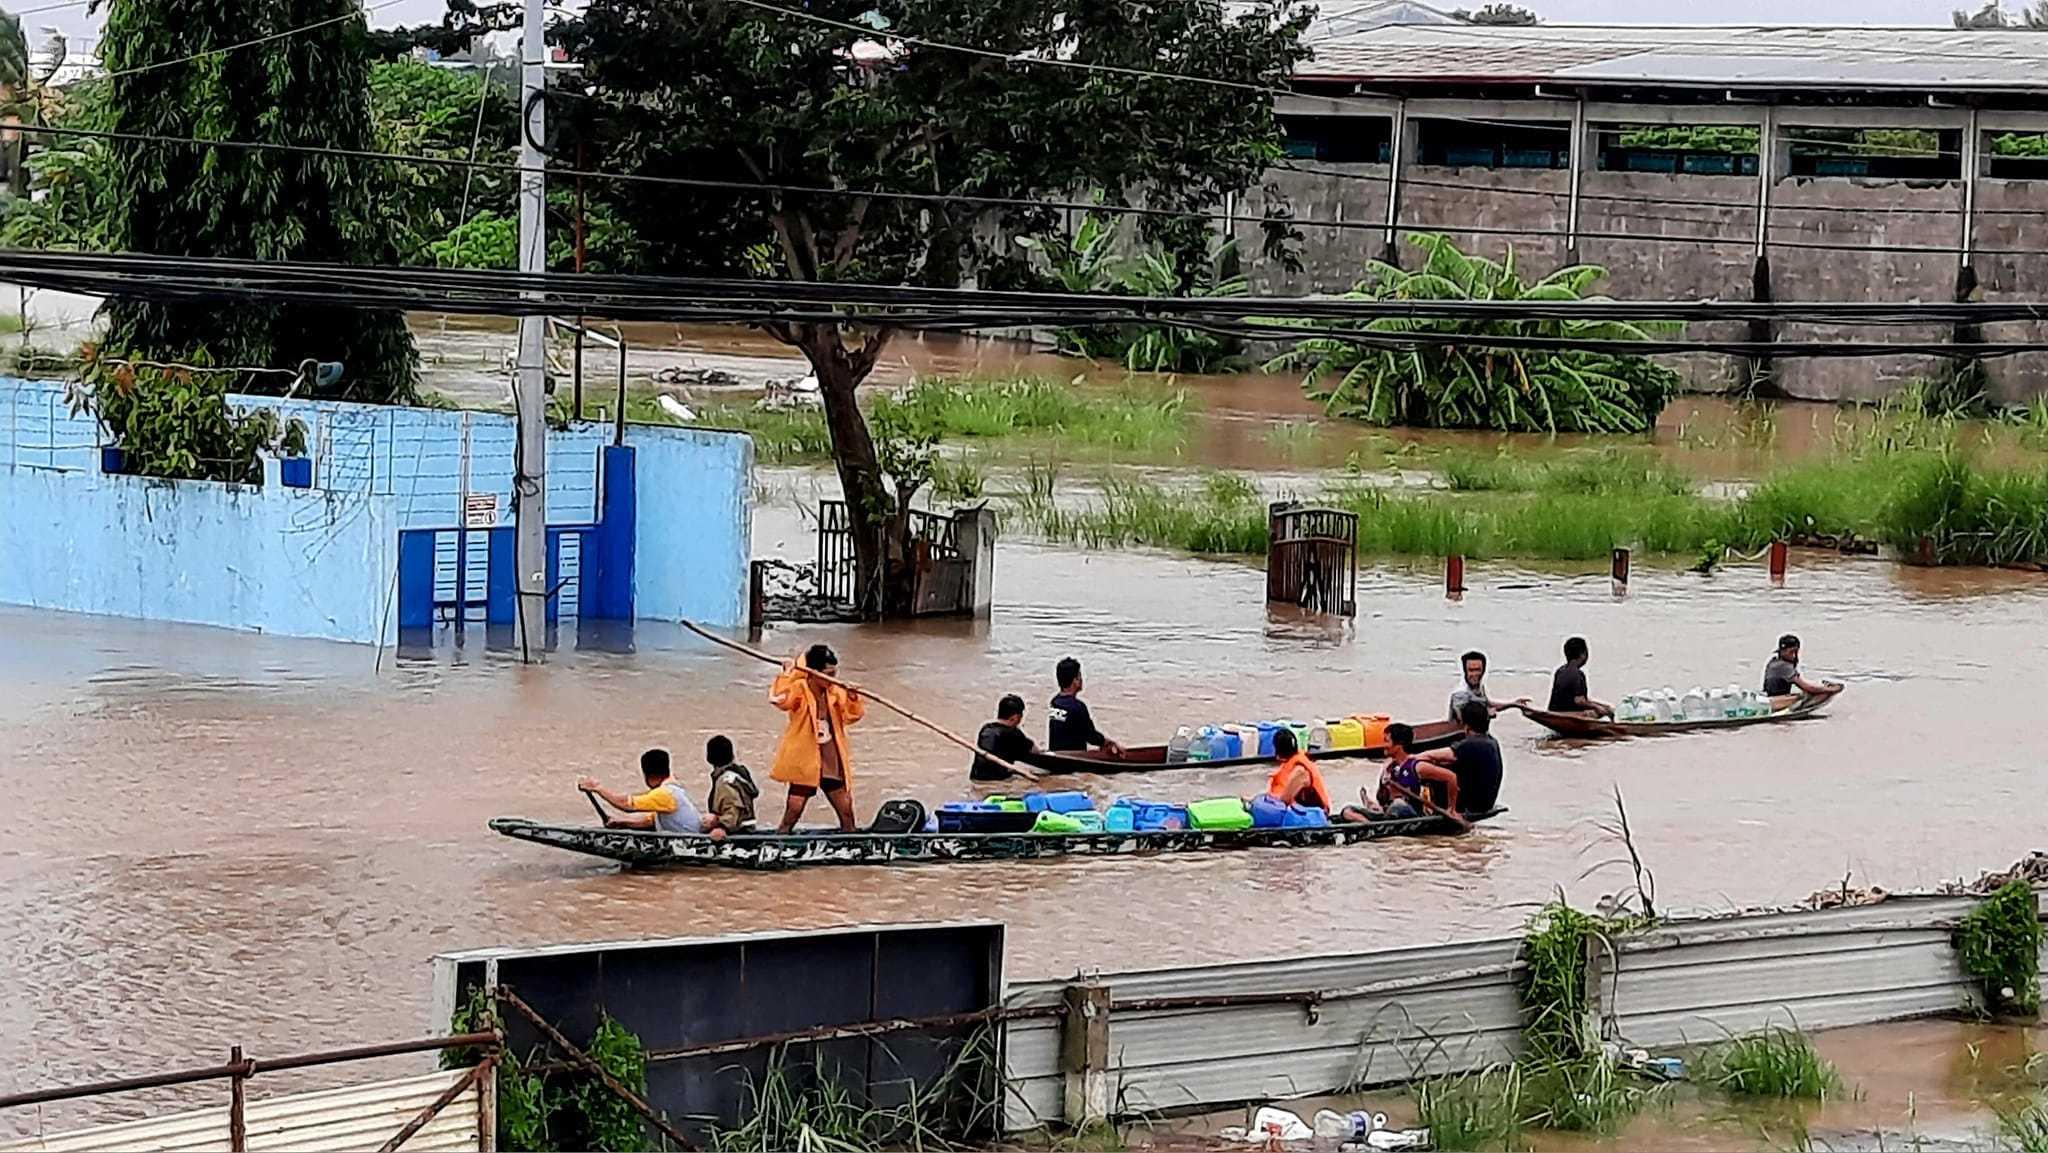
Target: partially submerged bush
1999	943
1774	1063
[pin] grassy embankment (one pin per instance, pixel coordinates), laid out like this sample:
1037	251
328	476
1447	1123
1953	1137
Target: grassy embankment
1580	505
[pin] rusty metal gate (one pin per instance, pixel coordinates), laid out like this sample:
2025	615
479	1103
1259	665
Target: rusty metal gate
1312	559
945	584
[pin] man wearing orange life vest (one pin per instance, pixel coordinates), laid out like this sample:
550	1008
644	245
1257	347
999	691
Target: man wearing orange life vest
814	755
1297	781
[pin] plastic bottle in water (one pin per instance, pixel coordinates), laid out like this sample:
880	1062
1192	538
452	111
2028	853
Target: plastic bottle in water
1177	748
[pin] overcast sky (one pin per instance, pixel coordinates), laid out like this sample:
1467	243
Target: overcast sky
75	22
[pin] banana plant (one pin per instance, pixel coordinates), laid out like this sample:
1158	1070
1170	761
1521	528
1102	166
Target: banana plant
1469	384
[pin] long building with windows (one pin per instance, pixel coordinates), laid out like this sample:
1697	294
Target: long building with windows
1692	162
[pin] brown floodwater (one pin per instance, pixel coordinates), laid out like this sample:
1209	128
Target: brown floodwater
1242	420
1929	1085
217	838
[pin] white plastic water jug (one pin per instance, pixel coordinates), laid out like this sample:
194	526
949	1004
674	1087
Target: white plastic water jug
1693	706
1318	737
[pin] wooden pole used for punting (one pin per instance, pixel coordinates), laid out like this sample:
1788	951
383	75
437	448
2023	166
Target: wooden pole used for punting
899	710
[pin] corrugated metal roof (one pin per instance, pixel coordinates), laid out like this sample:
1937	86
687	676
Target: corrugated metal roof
1913	59
352	1118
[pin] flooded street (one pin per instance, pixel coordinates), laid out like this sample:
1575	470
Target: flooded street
232	839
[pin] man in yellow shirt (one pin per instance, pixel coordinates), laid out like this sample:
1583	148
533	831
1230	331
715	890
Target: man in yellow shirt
664	807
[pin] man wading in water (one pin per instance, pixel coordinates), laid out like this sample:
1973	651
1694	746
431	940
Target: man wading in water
814	755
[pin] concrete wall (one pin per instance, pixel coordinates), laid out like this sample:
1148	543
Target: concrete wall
1716	216
319	562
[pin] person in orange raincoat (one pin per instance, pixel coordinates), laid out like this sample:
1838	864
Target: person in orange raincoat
814	755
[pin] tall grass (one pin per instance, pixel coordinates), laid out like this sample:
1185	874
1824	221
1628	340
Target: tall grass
781	436
1605	472
1774	1063
1223	514
1966	515
1475	1110
2023	1125
1144	419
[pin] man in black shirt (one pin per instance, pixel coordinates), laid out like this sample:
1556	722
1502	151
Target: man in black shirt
1068	727
1568	685
1004	737
1475	759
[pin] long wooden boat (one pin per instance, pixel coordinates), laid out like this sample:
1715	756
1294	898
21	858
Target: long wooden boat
641	849
1593	728
1152	758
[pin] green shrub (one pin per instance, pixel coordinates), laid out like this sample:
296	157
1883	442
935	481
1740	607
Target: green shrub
1999	943
1477	1110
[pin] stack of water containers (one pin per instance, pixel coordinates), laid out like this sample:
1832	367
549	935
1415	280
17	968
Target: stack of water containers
1255	739
1667	705
1073	812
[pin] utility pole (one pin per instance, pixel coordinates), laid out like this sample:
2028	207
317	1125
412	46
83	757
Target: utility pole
529	484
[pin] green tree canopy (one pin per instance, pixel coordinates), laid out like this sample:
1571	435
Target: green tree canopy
168	77
725	90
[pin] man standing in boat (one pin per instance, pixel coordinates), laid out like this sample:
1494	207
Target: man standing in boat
815	755
1473	687
1068	727
1568	684
1782	682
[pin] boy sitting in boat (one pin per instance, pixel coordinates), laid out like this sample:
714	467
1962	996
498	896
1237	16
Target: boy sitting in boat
1068	727
733	791
664	807
1296	780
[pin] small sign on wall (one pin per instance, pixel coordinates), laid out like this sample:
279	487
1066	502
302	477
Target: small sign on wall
480	510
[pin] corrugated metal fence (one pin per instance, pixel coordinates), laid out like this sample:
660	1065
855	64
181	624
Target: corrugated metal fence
1220	1034
353	1118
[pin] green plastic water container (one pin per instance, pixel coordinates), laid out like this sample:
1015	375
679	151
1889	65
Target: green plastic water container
1219	813
1008	804
1050	822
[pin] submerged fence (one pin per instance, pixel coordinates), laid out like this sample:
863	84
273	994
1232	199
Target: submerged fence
1216	1035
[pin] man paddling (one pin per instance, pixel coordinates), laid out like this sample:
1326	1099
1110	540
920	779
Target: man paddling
1568	684
1473	687
1782	682
1474	760
1068	727
815	755
664	807
1003	737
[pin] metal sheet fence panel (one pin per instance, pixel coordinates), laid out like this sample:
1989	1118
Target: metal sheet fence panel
352	1118
1181	1058
1701	980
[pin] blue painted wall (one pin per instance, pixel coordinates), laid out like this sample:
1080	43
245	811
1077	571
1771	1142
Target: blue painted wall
320	562
270	559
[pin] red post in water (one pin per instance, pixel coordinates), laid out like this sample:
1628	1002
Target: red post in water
1781	559
1620	572
1454	576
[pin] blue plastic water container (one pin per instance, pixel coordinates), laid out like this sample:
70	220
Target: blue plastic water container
1067	801
1090	820
1266	731
1225	745
1120	817
1270	812
1306	817
1154	817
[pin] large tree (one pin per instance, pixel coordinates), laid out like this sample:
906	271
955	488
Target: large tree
307	85
727	90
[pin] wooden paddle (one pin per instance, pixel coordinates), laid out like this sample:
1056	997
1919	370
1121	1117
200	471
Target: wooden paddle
592	798
1429	807
1024	771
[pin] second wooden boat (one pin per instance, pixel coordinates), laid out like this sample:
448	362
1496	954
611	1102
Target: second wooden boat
1594	728
1152	758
